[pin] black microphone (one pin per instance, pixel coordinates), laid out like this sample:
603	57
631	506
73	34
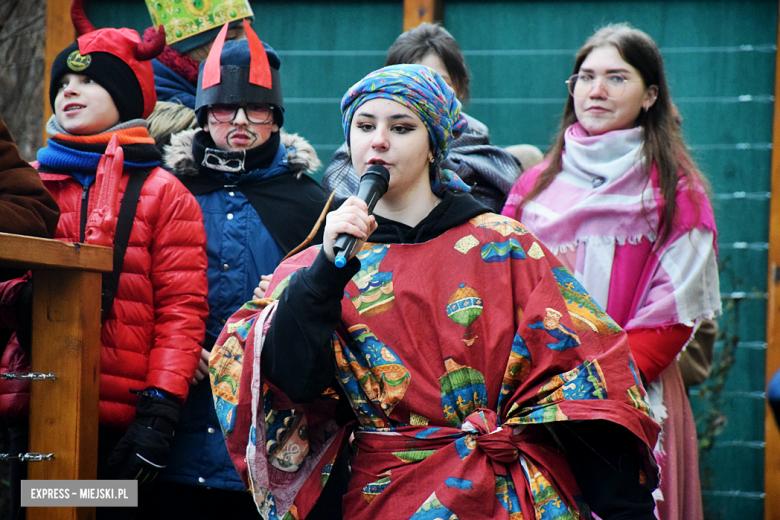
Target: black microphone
373	184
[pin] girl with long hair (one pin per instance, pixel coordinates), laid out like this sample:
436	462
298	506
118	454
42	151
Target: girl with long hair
621	203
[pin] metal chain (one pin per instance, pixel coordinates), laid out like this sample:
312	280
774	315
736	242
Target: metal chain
27	457
34	376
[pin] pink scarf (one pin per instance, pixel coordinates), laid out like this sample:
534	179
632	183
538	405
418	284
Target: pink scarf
601	217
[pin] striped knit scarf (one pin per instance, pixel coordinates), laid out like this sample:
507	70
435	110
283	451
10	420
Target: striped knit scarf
81	153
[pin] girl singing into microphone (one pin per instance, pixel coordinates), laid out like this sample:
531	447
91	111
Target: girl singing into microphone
480	380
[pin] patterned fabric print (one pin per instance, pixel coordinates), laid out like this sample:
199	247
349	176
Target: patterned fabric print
536	251
502	251
517	369
584	382
547	502
462	392
376	287
225	375
585	312
502	225
376	377
286	435
371	491
551	324
466	244
465	445
281	287
268	510
425	93
507	496
425	399
637	393
413	455
464	307
458	483
432	509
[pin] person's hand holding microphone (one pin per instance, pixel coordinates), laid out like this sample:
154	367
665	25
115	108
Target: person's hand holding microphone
348	228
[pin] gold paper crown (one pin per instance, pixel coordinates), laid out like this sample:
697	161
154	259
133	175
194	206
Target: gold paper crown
185	18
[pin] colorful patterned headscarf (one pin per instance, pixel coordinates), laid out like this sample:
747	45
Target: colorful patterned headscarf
423	91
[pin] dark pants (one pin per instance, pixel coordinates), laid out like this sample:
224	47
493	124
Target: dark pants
168	500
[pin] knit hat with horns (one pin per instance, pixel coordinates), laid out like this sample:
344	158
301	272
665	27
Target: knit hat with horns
240	71
117	59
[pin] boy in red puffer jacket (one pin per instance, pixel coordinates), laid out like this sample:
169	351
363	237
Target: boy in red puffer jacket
103	85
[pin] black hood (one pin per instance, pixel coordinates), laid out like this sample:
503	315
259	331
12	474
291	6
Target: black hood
453	210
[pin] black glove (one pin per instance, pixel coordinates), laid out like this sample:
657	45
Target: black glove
144	449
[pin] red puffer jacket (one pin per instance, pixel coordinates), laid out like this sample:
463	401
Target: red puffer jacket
154	332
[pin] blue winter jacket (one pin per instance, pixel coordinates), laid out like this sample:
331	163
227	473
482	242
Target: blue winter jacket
240	250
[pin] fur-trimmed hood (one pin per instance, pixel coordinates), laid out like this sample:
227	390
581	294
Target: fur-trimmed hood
168	119
178	157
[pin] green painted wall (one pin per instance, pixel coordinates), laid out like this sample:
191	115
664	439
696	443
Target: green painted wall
720	61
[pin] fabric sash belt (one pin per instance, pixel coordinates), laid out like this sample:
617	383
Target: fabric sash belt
505	452
499	444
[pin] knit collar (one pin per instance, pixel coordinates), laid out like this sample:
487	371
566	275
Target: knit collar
129	132
232	164
70	153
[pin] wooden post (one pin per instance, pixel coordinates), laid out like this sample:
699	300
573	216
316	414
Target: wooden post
59	34
66	342
772	436
419	11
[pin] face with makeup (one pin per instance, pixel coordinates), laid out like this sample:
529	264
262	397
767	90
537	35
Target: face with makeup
239	132
612	94
388	133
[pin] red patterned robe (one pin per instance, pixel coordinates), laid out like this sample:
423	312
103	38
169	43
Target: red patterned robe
453	353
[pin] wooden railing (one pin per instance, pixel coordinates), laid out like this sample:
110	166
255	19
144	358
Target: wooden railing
66	343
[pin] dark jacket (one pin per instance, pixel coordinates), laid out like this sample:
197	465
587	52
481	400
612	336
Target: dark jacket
26	207
241	248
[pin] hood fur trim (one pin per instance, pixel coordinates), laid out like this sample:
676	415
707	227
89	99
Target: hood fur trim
169	118
178	157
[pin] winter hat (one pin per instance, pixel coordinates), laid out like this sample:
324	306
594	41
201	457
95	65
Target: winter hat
190	23
117	59
240	71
